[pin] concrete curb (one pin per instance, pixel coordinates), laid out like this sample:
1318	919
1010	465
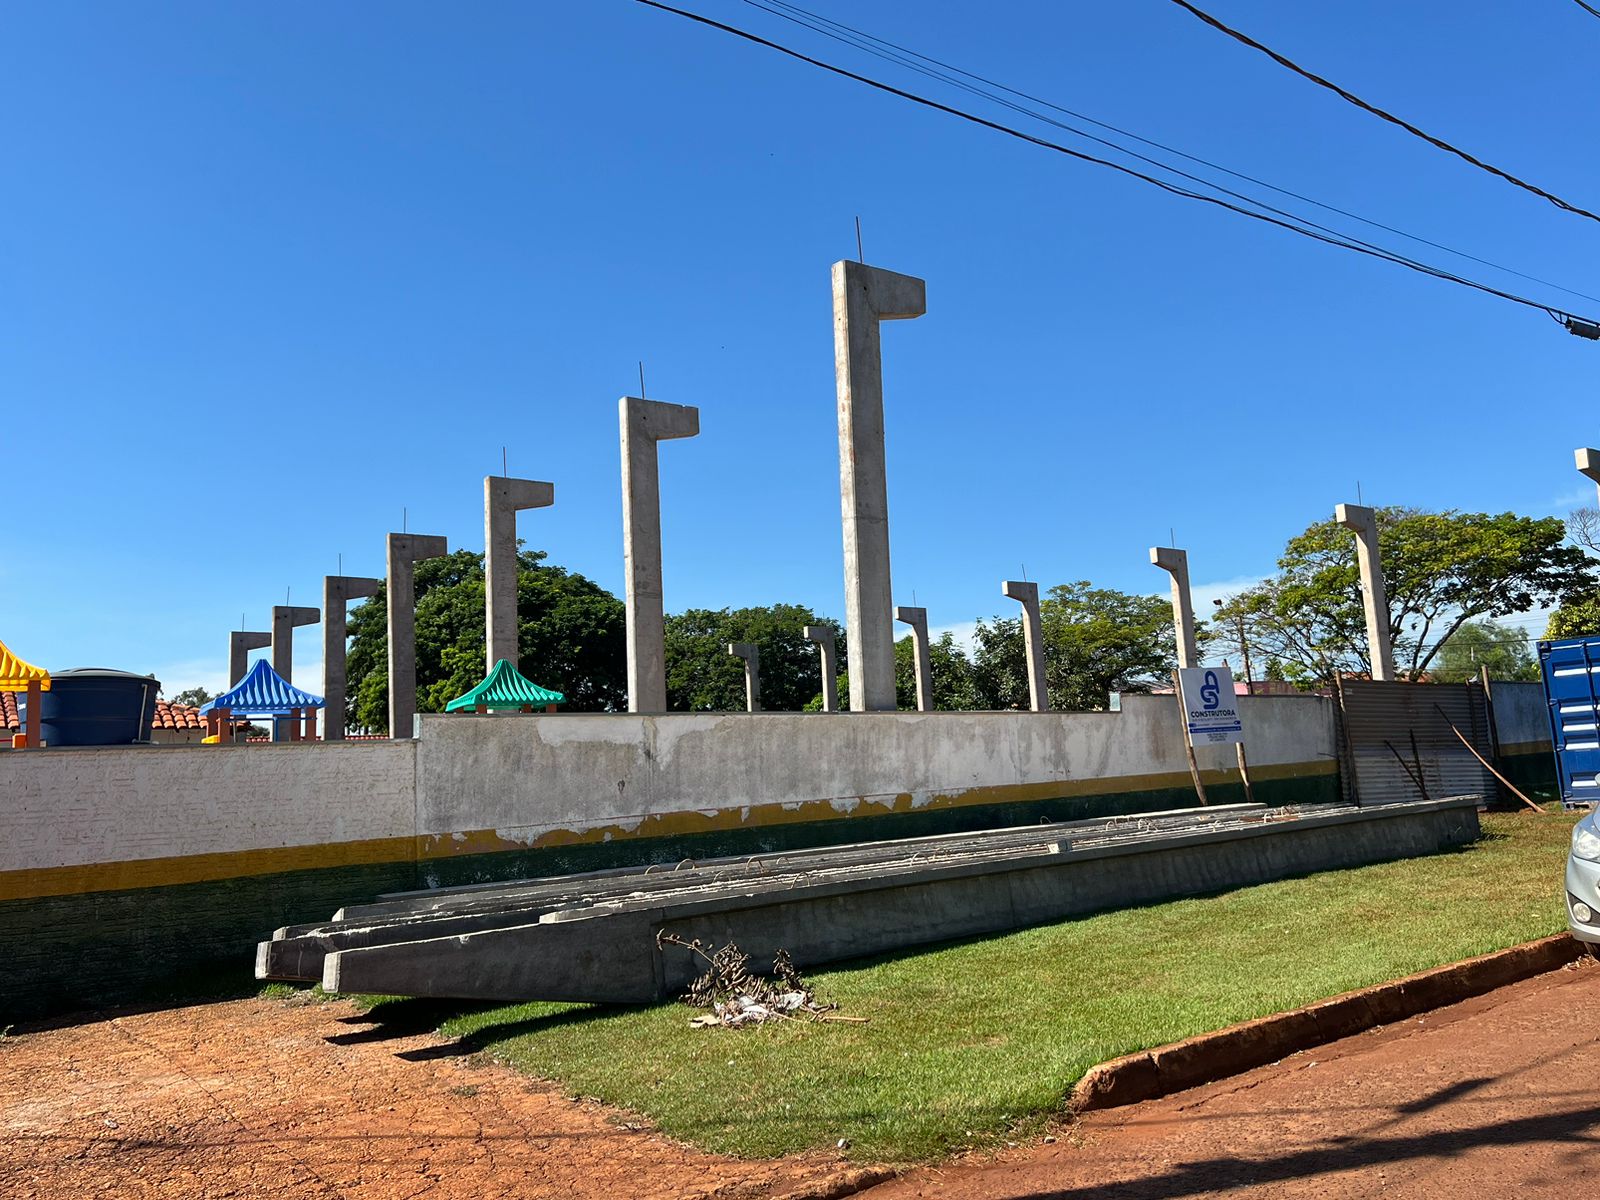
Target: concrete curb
1208	1057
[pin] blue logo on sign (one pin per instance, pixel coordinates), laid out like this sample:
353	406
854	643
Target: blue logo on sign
1210	692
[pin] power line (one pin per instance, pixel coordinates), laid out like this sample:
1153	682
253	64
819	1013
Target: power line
1572	322
1588	8
903	55
1282	61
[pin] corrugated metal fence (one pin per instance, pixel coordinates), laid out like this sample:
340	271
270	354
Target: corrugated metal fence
1396	743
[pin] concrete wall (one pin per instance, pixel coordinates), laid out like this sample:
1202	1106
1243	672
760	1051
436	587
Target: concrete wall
489	784
120	865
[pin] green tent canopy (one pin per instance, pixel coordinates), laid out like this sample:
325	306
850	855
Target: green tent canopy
505	688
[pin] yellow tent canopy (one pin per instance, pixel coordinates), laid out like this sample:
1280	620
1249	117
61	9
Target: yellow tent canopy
16	675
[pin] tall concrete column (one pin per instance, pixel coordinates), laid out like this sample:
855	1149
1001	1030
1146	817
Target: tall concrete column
1176	562
1374	597
751	653
240	643
338	591
917	618
1588	464
404	552
643	424
862	297
1027	595
823	638
503	499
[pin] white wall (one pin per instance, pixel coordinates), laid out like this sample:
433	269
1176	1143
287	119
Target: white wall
70	807
527	775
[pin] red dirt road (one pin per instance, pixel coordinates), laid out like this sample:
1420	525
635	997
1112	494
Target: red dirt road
259	1098
1498	1096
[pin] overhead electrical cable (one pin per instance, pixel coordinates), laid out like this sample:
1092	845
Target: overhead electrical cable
1576	324
1440	143
1587	7
906	57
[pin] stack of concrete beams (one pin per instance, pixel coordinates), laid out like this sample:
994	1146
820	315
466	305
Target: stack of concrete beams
594	937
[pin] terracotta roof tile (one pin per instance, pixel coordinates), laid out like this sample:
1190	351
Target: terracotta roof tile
168	715
10	718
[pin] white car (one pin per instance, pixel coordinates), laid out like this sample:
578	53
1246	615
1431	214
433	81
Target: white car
1583	884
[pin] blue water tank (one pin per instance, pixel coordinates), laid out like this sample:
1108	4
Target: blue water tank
94	706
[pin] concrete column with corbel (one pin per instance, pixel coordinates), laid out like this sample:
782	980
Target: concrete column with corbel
1363	520
503	499
337	592
922	664
822	637
643	423
1176	563
240	643
863	297
405	550
1027	595
751	653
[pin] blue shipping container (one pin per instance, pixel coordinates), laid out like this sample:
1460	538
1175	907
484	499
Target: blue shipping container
1569	668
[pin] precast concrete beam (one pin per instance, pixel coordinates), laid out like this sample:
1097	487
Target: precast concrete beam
338	591
751	653
917	618
863	296
405	550
240	643
1176	563
1027	595
822	637
643	423
1374	597
503	499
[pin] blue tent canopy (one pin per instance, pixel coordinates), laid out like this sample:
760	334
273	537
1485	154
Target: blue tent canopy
263	693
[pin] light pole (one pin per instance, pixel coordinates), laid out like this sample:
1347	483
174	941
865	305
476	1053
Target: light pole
1244	652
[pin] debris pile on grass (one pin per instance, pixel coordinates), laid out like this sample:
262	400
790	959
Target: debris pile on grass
730	994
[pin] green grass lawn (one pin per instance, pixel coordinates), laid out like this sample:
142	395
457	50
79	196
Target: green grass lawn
970	1043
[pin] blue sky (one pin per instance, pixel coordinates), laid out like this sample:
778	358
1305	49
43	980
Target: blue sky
271	273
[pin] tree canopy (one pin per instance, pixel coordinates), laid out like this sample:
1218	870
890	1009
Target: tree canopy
1503	649
702	676
1442	570
570	637
1096	641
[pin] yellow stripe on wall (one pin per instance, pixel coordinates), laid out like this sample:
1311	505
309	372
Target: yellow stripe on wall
35	883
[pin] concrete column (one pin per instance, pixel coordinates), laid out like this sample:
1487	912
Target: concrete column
240	643
503	499
1176	562
917	618
337	591
644	423
285	620
1374	598
822	636
751	653
405	551
1027	595
862	297
1589	464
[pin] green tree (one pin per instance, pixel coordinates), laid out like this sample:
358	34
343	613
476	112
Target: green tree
703	677
1442	569
1478	644
570	637
194	697
1096	641
1577	617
